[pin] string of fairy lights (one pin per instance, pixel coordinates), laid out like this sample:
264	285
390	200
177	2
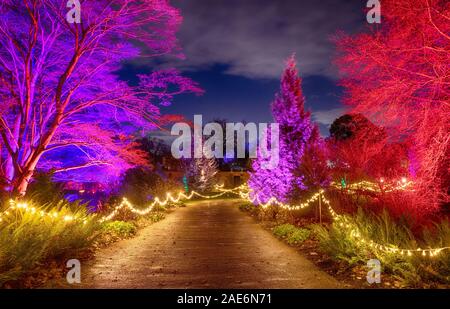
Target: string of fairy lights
245	193
381	186
27	208
342	221
156	202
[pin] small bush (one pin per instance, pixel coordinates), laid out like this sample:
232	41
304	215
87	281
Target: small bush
119	228
283	230
293	235
298	236
159	208
28	239
156	216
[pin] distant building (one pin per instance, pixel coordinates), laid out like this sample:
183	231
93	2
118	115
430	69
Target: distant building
232	179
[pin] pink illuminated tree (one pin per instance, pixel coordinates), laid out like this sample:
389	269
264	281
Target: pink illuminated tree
62	105
398	75
295	132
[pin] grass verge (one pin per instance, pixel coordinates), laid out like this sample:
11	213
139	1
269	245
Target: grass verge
334	249
413	270
28	238
36	241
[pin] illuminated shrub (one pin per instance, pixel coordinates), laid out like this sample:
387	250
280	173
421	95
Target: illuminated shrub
33	233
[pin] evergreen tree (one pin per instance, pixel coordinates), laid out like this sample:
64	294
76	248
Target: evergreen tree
295	133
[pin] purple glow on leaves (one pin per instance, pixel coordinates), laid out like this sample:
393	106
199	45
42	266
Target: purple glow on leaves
62	106
295	131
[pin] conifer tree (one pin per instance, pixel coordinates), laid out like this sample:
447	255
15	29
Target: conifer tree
295	132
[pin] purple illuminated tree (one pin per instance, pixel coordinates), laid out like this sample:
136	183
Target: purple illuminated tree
295	132
62	105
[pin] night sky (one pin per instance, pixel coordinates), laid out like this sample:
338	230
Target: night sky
236	49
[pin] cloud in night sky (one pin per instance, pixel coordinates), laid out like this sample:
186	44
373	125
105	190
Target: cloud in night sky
326	117
236	49
254	37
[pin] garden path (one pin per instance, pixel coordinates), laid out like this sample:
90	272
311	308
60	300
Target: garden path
208	244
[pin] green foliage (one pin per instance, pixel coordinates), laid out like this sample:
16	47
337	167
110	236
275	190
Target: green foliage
160	208
339	241
298	236
28	239
283	230
119	228
156	216
292	234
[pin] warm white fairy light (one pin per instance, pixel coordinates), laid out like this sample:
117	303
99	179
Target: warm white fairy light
124	204
169	198
340	220
25	207
245	193
402	185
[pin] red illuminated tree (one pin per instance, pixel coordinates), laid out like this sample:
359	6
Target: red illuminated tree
62	106
314	164
398	75
361	150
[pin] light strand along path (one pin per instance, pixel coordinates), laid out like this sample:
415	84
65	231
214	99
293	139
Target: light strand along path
208	244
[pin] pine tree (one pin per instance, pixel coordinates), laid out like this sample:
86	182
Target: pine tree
295	132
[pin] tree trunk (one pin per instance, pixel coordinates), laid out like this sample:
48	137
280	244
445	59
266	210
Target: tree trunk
21	184
9	173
